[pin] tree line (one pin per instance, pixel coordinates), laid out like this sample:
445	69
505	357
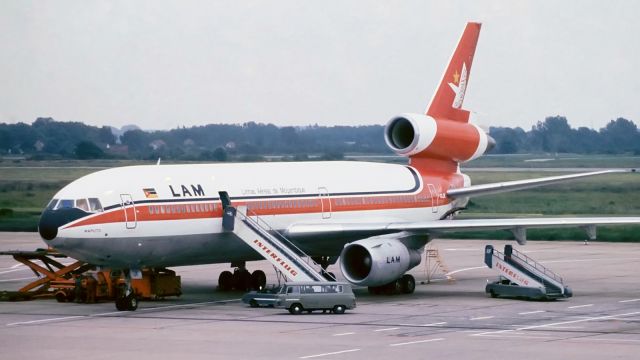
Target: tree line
47	138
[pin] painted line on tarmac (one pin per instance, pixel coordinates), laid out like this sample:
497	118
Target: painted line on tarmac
327	354
531	312
628	301
189	304
416	342
608	339
464	249
12	270
466	269
12	267
424	325
579	306
41	321
386	329
493	333
19	279
344	334
482	318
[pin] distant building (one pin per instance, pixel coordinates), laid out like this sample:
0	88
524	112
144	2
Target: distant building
39	145
158	144
121	150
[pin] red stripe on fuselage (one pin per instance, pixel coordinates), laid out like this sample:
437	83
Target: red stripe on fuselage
206	210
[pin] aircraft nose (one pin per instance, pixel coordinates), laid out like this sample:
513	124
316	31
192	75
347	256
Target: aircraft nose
51	220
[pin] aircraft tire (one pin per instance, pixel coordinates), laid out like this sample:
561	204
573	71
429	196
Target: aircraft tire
225	281
242	280
407	284
258	280
120	305
131	302
392	288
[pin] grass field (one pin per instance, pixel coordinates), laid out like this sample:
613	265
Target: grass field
27	186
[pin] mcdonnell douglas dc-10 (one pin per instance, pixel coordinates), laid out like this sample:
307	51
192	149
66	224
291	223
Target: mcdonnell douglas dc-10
374	217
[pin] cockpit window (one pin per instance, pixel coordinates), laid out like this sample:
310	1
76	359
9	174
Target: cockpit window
64	204
94	205
52	204
82	204
88	205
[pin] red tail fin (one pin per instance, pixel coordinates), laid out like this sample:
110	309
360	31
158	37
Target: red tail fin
447	101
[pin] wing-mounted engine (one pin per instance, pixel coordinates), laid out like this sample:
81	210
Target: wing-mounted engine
421	136
377	261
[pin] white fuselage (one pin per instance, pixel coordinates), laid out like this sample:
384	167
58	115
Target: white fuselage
168	215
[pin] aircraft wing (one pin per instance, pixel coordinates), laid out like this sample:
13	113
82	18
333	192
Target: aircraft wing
494	188
517	225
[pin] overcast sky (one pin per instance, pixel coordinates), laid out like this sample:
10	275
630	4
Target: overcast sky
163	64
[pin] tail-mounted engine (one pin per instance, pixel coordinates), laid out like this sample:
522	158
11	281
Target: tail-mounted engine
376	261
417	135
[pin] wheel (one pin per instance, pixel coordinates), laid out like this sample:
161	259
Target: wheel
61	296
120	305
392	287
225	281
242	280
258	280
253	303
131	302
339	309
493	294
71	296
407	284
296	309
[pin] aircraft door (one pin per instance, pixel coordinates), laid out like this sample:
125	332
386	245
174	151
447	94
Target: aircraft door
129	208
434	198
325	202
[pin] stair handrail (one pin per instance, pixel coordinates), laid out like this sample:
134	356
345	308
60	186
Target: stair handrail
537	266
263	225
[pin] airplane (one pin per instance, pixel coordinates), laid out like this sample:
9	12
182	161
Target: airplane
374	218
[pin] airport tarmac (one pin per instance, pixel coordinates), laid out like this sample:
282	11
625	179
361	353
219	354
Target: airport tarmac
441	320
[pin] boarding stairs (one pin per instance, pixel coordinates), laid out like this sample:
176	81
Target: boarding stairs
434	264
285	256
530	276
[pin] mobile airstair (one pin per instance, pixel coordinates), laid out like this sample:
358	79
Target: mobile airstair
521	276
285	256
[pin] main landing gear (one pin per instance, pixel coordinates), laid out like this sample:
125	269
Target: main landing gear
405	285
241	279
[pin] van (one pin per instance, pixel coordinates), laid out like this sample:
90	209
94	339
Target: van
333	296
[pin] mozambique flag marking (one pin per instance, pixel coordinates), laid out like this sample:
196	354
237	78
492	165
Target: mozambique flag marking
150	193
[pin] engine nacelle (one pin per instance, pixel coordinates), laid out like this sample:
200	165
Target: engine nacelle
376	261
419	135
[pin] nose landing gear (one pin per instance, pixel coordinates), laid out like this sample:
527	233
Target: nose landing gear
126	299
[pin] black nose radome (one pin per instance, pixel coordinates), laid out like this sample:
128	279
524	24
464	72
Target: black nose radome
51	220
